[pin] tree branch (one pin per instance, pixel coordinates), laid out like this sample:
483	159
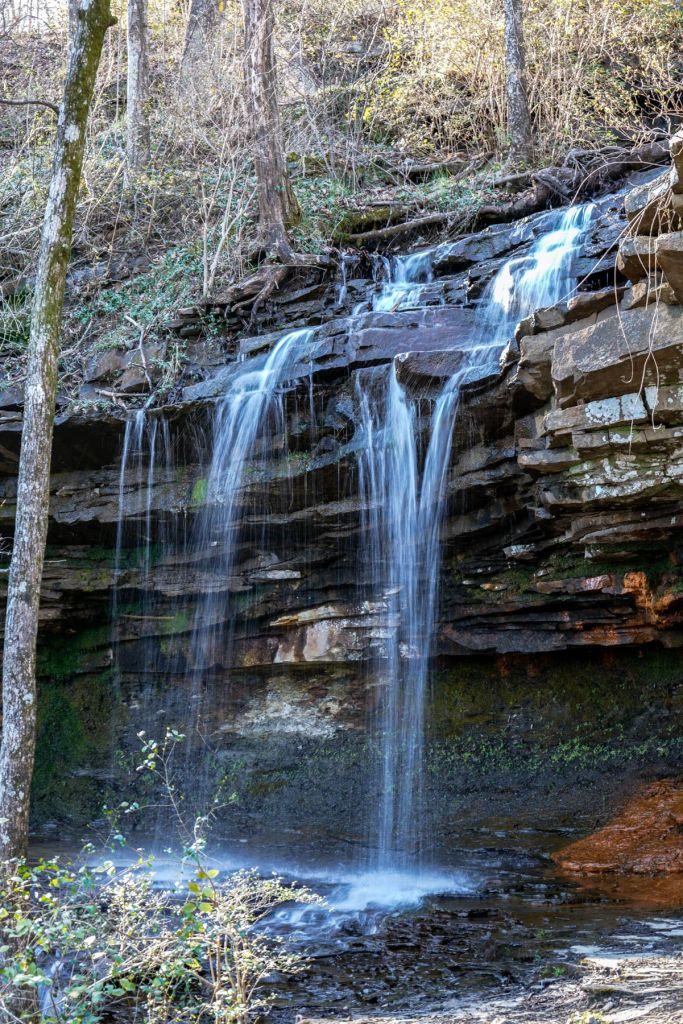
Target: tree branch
27	103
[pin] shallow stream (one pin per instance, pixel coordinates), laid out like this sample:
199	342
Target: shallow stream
494	916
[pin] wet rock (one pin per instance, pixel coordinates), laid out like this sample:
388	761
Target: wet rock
643	839
365	340
482	246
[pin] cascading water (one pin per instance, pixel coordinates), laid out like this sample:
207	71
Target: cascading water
248	424
147	454
404	278
388	487
404	510
249	421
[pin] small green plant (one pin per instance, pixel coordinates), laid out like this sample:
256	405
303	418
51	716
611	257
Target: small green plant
102	941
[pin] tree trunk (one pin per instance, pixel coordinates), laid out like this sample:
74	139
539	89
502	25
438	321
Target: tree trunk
73	25
519	121
202	25
278	208
137	100
33	487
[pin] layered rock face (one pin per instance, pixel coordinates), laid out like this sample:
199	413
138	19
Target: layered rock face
561	546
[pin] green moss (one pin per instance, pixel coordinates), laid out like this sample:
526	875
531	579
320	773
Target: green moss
259	787
61	657
75	725
199	491
61	740
551	699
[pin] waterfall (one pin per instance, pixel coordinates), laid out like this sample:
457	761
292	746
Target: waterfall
247	419
404	509
248	423
404	277
388	486
403	485
147	454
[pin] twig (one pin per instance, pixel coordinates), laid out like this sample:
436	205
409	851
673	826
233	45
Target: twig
141	350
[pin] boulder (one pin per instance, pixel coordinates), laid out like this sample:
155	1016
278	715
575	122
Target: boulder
636	258
533	374
647	292
616	353
669	256
652	208
106	365
676	173
586	303
580	306
606	412
482	246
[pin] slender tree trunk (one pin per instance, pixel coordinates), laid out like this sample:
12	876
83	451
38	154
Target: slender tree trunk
278	208
137	102
33	487
202	26
519	121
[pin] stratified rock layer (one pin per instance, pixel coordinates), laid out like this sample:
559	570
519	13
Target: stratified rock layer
561	539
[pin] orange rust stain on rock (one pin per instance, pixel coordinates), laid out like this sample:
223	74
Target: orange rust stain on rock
636	583
638	855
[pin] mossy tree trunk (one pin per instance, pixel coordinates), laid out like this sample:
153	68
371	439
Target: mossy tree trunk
137	90
33	487
518	119
278	207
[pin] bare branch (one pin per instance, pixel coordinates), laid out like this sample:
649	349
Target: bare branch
31	102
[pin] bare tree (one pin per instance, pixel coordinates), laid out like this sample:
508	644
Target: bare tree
278	207
137	99
202	25
33	487
519	121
